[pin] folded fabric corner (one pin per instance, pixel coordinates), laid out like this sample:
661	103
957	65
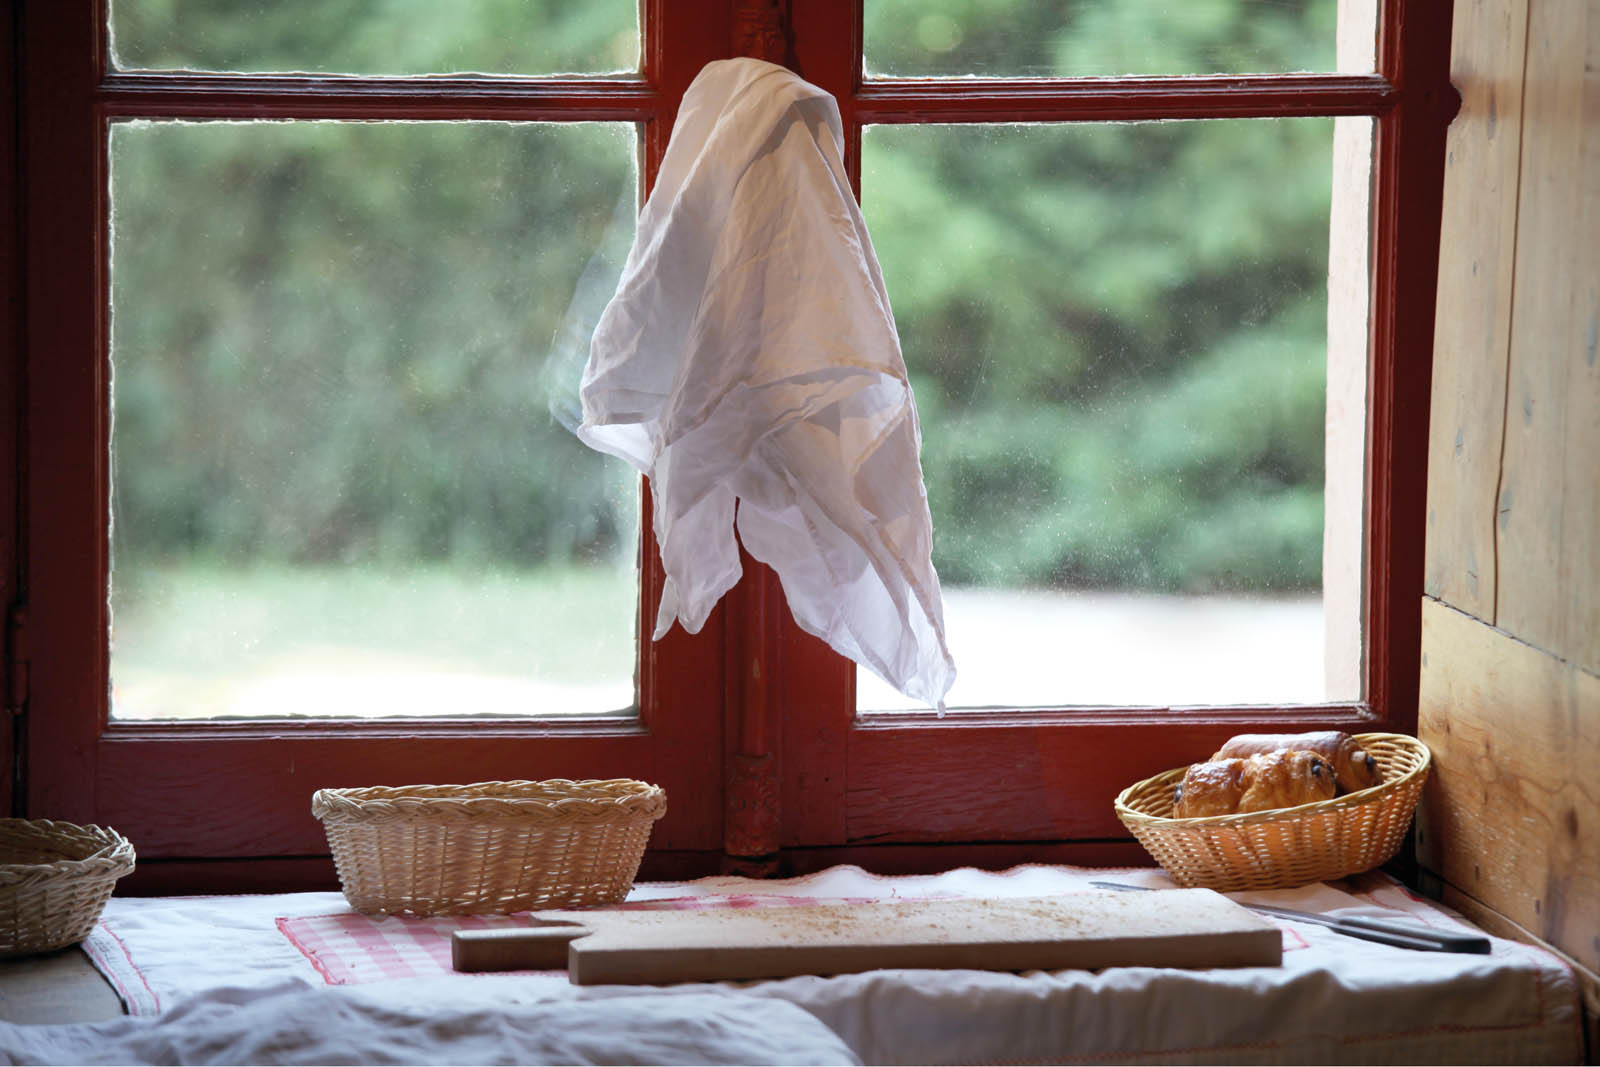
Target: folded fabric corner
749	366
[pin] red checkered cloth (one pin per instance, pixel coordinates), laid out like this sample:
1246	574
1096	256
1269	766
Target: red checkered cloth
350	948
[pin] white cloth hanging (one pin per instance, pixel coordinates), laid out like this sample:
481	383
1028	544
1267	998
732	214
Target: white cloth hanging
750	355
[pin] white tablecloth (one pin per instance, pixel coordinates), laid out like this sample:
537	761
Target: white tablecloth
1334	999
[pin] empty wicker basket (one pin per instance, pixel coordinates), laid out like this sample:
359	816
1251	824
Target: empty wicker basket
488	848
1283	847
55	879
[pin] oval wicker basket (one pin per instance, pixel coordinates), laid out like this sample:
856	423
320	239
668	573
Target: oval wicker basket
1283	847
55	879
490	847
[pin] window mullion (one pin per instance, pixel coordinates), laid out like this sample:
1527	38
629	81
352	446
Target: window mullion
1104	99
183	95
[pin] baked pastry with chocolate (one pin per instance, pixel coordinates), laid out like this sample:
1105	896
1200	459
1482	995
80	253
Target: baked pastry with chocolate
1354	768
1285	779
1209	789
1266	780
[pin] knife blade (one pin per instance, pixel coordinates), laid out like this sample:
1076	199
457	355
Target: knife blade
1383	931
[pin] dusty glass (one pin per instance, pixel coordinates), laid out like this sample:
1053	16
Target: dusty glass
344	477
396	37
1118	339
1099	38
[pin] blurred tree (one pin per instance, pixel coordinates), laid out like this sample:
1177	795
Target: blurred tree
344	341
329	339
377	36
1116	331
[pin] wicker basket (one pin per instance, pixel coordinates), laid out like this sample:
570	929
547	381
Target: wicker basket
492	847
55	879
1283	847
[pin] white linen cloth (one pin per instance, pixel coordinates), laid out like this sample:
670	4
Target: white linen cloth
1335	999
749	355
440	1021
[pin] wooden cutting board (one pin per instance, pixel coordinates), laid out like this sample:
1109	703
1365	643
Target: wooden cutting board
1173	928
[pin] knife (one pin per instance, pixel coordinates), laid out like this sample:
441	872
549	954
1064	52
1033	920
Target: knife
1383	931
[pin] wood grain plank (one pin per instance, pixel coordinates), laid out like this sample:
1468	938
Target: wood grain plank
1473	319
1579	572
1512	813
1091	930
1540	598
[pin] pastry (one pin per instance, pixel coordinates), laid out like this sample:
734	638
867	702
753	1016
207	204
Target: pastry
1279	779
1353	767
1285	779
1209	789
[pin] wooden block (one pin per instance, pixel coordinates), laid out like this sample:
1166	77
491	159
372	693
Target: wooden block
1473	322
1511	814
1174	928
519	948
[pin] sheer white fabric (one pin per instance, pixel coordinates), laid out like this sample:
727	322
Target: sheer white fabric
749	365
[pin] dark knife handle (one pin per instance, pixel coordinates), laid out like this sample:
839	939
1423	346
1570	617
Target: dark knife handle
1433	940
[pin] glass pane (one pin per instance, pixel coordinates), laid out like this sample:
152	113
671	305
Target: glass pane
1117	336
345	361
1089	38
395	37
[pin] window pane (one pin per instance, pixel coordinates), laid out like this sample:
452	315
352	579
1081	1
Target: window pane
345	361
1117	335
361	37
1087	38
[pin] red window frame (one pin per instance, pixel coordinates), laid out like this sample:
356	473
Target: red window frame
993	780
749	725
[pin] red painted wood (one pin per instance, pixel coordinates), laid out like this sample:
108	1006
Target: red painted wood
1012	775
1085	99
12	396
827	53
994	780
64	311
986	856
202	96
675	49
1414	53
760	30
1002	778
818	711
755	679
312	874
245	790
209	794
158	878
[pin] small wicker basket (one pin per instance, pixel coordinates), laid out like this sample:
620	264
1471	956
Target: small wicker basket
1283	847
488	848
55	879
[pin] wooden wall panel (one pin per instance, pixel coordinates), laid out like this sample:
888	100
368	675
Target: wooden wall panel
1510	686
1473	322
1579	572
1547	576
1512	814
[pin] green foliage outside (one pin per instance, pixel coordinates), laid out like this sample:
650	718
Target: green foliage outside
359	343
376	36
331	341
1116	332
